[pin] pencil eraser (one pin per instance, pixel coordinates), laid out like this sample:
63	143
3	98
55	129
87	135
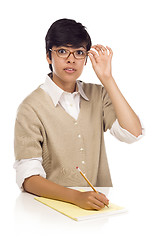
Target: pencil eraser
76	167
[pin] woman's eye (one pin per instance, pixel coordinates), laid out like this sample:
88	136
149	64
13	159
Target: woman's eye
80	52
62	51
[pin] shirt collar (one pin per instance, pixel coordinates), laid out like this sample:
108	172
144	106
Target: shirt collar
56	92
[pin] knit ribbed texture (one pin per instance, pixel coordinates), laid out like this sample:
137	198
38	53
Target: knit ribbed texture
41	129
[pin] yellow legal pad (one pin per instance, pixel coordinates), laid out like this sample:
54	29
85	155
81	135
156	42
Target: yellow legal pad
77	213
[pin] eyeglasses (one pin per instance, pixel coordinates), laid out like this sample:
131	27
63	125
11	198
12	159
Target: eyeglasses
64	53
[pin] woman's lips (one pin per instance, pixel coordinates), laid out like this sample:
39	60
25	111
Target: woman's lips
69	70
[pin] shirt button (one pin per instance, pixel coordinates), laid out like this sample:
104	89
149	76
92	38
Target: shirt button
79	136
75	123
83	162
81	149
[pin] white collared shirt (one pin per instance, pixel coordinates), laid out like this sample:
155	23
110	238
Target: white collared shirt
71	103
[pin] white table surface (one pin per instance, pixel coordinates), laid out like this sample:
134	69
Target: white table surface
27	218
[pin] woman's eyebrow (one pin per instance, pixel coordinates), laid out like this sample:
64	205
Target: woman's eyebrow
75	48
82	47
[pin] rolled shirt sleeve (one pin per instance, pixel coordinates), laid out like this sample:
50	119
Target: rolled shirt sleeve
26	168
123	135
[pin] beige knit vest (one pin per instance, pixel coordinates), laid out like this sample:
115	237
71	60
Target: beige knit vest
42	129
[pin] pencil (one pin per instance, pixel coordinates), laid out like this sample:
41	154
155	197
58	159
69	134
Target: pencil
88	181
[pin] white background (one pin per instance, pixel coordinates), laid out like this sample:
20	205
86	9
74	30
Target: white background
131	29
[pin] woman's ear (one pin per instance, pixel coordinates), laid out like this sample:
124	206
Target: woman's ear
48	58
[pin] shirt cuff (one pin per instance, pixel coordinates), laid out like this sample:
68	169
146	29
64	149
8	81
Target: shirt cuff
123	135
26	168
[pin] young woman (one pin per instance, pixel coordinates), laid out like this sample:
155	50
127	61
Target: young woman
61	124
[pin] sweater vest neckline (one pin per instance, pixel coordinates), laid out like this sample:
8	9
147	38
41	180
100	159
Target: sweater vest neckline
60	110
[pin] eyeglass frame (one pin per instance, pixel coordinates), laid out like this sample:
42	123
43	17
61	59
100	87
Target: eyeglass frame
69	53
